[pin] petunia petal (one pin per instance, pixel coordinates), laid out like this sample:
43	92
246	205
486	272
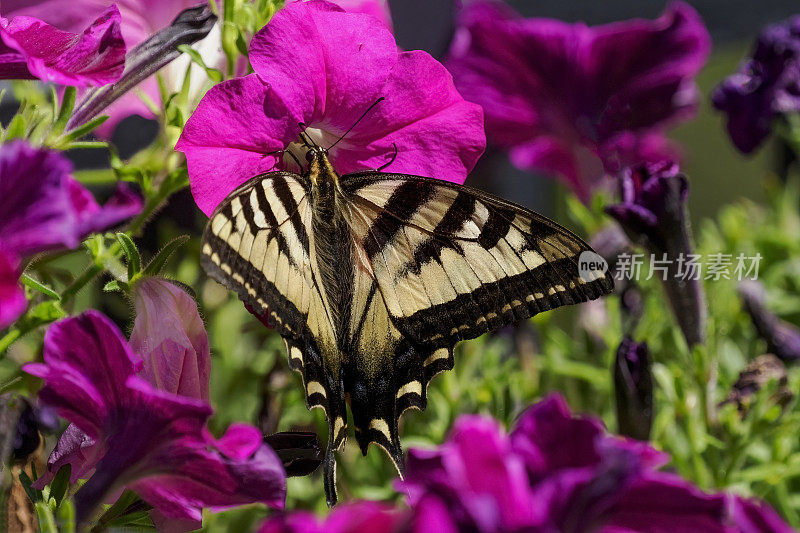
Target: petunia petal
12	295
87	362
556	94
94	58
45	208
229	137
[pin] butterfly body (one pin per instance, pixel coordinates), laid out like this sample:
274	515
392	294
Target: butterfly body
372	278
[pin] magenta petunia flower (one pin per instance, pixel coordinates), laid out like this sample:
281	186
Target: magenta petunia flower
766	85
569	100
556	472
31	48
153	441
43	209
342	63
377	8
356	517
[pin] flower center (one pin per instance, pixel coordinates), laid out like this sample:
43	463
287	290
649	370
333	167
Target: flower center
298	149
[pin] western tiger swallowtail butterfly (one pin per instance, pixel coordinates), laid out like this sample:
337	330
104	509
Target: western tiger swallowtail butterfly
371	279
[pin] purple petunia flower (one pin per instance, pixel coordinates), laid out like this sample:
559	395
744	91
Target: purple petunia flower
342	64
357	517
149	440
765	86
556	472
31	48
653	214
571	100
44	208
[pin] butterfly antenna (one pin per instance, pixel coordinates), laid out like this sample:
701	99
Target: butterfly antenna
391	160
364	114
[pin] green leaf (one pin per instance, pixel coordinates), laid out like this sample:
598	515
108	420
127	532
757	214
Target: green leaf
157	264
67	106
213	74
83	129
38	286
131	253
16	128
115	285
60	483
25	481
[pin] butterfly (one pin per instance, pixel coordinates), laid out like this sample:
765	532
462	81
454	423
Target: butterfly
371	279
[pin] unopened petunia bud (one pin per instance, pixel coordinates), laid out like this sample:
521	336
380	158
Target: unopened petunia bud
633	389
653	214
783	339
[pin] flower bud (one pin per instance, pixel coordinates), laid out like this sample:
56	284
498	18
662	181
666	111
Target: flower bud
633	389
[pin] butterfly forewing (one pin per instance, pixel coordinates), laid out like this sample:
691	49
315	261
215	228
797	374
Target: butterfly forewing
453	262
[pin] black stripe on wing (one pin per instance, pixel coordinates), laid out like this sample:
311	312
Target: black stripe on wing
509	263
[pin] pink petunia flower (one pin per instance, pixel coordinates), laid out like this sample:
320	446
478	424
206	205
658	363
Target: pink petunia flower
574	101
317	65
43	208
31	48
152	441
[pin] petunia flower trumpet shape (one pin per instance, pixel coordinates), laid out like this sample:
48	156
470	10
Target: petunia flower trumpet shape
44	209
31	48
342	64
574	101
652	212
633	389
557	472
766	86
153	441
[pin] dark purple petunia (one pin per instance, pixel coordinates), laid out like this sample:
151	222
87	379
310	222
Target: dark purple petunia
557	472
783	338
569	100
633	389
152	441
43	208
765	86
31	48
357	517
652	211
